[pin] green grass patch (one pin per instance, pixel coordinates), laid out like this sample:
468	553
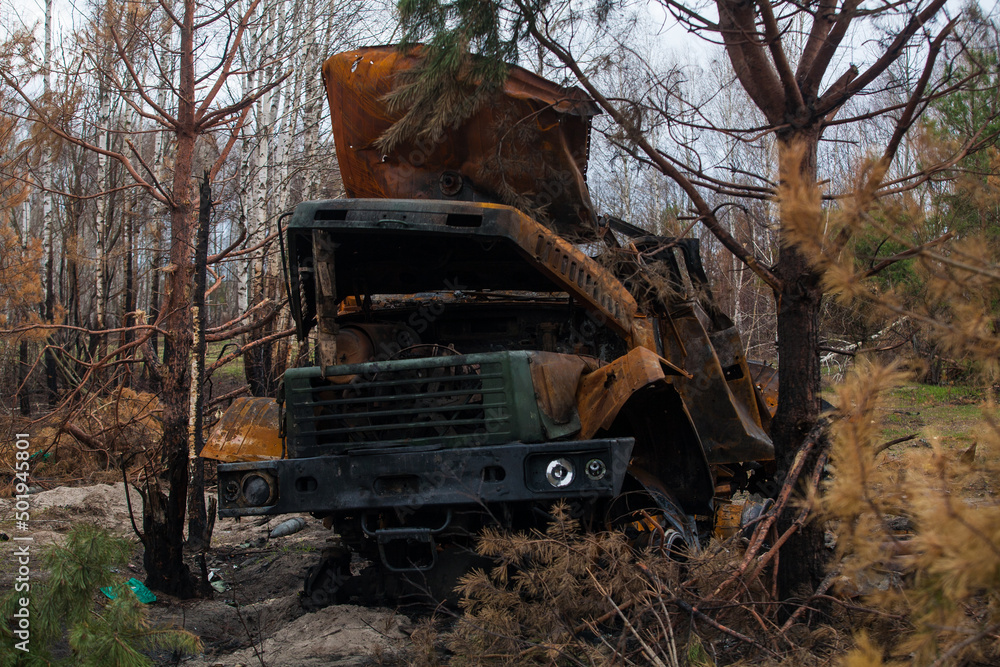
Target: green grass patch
946	415
230	372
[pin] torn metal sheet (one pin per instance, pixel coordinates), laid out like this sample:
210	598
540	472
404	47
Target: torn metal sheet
603	393
526	145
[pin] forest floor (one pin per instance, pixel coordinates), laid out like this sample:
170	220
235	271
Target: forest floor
256	619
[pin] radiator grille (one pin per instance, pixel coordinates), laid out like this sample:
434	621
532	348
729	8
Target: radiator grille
445	402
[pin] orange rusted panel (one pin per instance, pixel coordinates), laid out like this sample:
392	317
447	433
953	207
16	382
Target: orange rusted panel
529	143
603	393
587	280
555	378
727	519
248	431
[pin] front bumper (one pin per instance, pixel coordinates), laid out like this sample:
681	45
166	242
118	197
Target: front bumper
424	477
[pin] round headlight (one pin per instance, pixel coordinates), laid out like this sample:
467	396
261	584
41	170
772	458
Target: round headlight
596	469
559	472
257	491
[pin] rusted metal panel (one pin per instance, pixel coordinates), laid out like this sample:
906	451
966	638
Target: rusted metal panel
730	429
555	378
603	393
386	245
248	431
527	144
582	277
326	299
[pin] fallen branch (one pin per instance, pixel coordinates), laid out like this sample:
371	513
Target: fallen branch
697	613
212	259
853	352
647	650
232	333
82	436
821	590
240	350
93	445
215	259
800	520
225	397
69	327
233	322
886	445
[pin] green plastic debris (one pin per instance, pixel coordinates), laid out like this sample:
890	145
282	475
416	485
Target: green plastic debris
144	594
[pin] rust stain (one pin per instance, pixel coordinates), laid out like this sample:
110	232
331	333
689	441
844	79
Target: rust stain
603	393
722	400
766	379
248	431
589	282
555	378
531	139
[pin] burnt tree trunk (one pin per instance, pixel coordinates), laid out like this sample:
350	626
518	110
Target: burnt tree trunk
164	510
128	291
199	525
259	364
71	296
257	367
51	381
166	500
803	557
154	295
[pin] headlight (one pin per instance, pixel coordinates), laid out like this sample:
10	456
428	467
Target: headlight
596	469
257	490
559	472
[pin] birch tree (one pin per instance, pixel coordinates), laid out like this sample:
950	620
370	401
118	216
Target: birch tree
195	111
286	156
48	235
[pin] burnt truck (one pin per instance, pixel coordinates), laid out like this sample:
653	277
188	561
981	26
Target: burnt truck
485	346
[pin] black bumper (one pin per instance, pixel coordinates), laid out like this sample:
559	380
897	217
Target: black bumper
407	477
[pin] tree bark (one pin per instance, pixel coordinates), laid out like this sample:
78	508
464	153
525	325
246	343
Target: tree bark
47	231
163	515
48	312
128	290
199	525
154	294
803	557
102	218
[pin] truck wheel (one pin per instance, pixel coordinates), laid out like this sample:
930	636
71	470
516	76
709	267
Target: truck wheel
648	515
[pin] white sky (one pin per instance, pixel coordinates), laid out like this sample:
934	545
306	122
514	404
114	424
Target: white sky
670	36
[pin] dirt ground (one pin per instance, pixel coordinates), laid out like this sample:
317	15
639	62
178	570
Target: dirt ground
256	620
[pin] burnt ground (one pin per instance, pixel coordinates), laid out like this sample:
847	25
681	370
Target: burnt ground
256	620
